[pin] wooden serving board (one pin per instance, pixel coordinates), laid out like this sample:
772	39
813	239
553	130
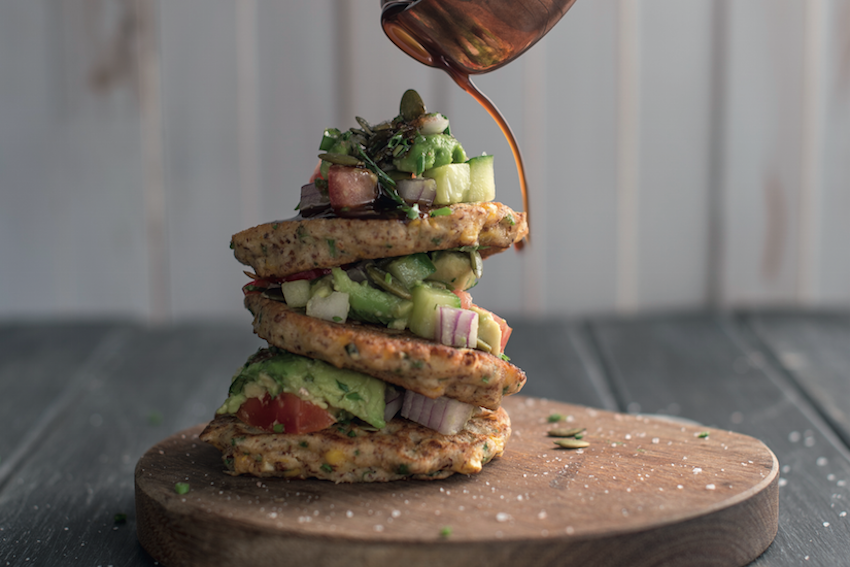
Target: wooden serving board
647	491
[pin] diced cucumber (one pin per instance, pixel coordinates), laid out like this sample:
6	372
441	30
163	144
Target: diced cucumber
489	331
333	307
482	180
297	293
426	298
370	304
410	270
453	269
452	182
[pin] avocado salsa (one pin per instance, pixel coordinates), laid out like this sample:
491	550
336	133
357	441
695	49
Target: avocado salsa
396	167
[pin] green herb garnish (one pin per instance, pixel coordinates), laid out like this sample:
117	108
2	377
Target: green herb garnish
181	487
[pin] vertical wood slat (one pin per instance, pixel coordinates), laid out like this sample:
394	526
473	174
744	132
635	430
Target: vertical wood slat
628	153
150	117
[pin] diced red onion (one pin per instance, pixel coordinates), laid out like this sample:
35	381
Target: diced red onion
422	190
456	327
433	124
313	200
443	414
394	398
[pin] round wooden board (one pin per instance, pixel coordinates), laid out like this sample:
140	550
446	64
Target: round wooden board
647	491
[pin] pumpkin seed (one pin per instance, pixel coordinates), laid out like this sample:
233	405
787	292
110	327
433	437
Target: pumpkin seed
386	282
411	106
340	159
560	432
367	129
569	443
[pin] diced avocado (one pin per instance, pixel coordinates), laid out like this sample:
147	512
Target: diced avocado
370	304
430	151
334	307
426	299
321	287
489	331
452	182
453	269
297	293
410	270
482	180
311	380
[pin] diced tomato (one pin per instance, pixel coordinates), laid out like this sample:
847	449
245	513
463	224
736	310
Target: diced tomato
351	187
256	286
307	275
465	298
506	330
317	172
289	412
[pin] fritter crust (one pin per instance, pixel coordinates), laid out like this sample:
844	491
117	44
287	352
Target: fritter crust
398	357
287	247
351	453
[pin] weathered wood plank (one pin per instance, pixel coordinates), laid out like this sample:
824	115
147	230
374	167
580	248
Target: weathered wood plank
59	505
560	363
815	350
762	149
43	369
710	370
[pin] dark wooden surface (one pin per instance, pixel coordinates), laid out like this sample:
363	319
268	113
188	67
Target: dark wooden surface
80	402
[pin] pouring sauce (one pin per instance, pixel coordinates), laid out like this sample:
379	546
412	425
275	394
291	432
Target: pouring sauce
469	38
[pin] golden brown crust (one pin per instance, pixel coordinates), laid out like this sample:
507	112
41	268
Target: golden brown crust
398	357
287	247
352	453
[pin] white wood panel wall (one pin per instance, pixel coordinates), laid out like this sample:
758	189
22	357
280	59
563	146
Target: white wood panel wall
681	154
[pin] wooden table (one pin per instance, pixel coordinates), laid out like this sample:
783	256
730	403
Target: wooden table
81	401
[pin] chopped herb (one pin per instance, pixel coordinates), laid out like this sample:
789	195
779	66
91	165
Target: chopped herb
274	226
417	363
120	518
703	435
181	487
486	379
342	386
228	463
235	440
486	447
337	319
445	531
303	444
388	278
354	396
555	417
505	357
327	468
505	390
258	457
403	469
356	452
352	433
509	219
332	247
436	241
441	212
232	246
279	428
